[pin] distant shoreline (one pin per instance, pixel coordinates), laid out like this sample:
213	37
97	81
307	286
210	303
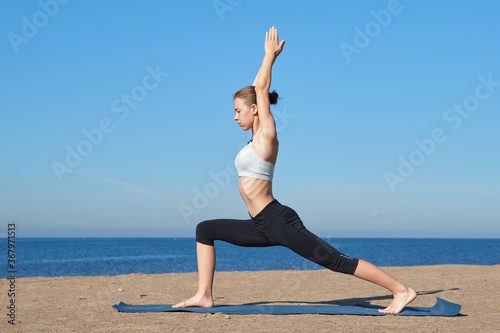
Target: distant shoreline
117	256
189	237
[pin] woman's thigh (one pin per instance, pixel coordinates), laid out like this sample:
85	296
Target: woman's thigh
289	231
237	232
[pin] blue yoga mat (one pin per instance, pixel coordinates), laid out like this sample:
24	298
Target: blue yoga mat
441	308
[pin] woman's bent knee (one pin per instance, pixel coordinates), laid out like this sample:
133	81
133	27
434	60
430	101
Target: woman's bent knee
205	233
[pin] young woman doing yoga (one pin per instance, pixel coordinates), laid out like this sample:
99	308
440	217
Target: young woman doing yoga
272	223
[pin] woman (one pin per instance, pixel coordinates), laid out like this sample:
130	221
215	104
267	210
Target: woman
272	223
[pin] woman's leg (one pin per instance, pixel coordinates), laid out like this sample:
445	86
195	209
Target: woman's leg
317	250
206	267
289	231
237	232
403	295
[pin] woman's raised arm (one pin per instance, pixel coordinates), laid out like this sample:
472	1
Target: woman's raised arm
256	78
262	82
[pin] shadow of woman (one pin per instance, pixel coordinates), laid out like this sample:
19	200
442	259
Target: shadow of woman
355	301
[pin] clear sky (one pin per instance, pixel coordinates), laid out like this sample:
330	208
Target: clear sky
117	117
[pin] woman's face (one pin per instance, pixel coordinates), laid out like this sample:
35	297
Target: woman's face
244	114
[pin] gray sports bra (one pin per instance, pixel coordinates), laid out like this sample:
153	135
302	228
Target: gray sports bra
249	164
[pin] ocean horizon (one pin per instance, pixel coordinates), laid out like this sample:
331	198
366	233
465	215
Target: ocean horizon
96	256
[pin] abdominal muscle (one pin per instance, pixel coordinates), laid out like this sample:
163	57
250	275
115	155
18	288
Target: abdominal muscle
256	193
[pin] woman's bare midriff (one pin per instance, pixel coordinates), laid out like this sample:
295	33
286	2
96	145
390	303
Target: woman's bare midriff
257	193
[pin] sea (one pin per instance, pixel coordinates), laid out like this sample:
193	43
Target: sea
114	256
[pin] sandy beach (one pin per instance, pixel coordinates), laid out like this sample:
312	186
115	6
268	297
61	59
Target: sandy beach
70	304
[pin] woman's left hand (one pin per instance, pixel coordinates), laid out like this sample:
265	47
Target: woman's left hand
272	46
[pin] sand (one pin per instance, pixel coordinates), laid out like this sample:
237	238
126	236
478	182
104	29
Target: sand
83	304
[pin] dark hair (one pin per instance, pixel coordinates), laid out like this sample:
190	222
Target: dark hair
250	97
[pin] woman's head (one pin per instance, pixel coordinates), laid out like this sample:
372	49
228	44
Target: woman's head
245	105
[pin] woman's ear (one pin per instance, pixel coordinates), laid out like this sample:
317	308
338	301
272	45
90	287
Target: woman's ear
254	109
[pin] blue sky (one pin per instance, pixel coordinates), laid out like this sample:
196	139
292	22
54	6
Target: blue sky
117	120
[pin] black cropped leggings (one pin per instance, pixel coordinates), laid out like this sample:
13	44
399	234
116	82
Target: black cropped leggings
275	225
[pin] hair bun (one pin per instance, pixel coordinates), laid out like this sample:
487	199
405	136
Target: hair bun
273	97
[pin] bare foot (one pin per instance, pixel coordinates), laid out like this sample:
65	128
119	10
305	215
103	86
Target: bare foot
197	300
400	301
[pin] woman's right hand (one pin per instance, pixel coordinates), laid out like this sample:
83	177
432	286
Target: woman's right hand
272	46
